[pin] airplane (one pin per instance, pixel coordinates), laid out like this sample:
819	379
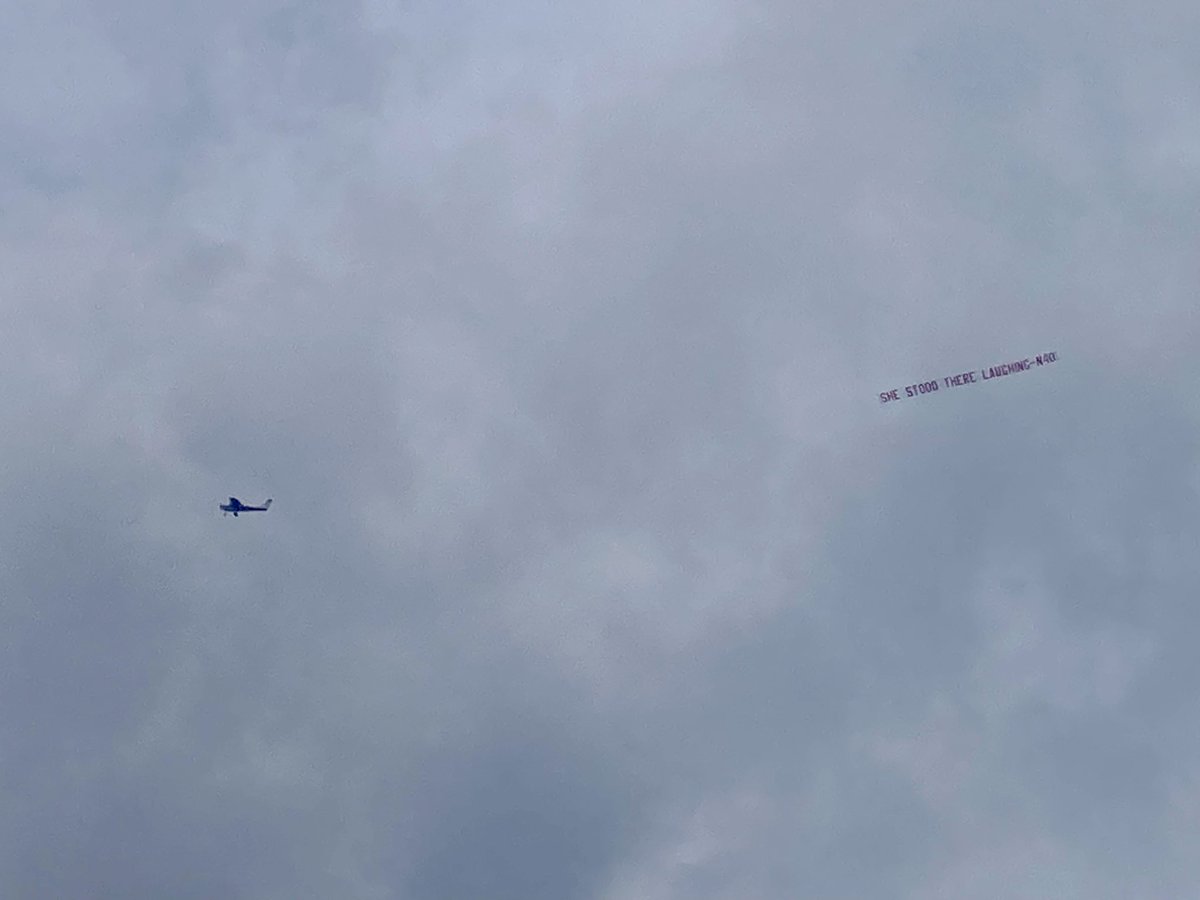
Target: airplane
236	506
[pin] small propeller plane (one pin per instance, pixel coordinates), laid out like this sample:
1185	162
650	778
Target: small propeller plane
236	506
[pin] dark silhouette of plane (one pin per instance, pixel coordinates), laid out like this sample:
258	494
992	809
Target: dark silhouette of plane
236	506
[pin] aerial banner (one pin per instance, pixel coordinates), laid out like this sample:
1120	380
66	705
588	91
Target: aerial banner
964	378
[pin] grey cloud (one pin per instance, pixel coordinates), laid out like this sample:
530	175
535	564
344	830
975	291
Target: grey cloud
596	569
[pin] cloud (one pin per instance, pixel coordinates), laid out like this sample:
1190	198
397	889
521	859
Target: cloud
595	568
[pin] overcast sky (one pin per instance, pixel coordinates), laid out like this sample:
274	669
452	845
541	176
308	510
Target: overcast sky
596	569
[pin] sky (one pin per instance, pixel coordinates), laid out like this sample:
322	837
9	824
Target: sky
597	570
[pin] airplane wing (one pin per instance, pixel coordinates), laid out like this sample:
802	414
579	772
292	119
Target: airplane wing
234	501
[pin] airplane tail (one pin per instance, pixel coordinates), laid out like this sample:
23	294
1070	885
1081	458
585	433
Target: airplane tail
267	505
